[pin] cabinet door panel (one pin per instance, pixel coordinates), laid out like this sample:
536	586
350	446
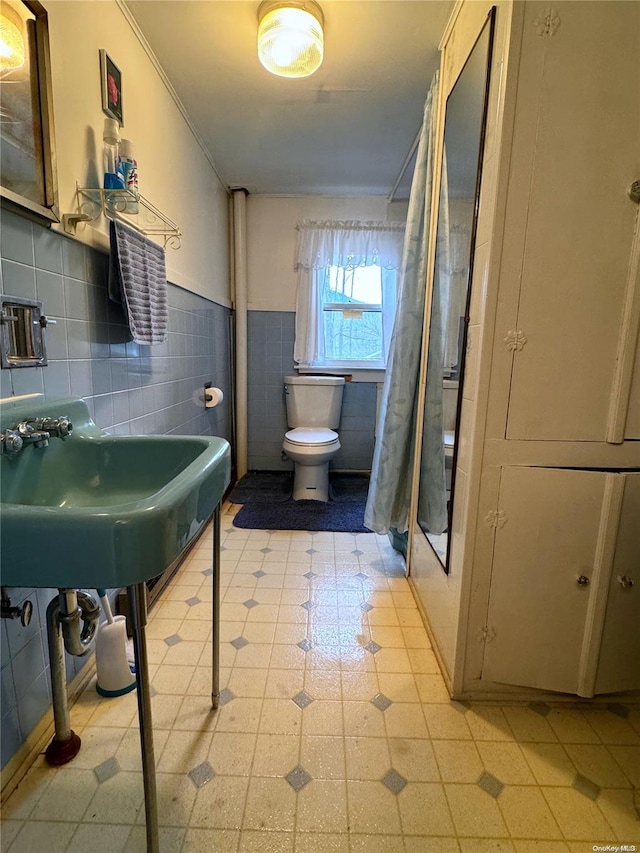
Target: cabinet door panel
619	663
632	429
580	223
537	609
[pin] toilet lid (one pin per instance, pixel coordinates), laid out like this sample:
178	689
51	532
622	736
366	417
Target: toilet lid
449	438
311	435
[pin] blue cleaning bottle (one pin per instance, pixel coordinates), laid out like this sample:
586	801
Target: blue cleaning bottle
130	173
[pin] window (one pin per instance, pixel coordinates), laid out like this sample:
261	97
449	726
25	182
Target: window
27	165
356	319
347	286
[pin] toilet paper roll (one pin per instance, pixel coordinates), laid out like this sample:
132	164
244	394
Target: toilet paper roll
213	397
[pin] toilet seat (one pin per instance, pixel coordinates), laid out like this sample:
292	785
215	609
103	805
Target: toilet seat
311	436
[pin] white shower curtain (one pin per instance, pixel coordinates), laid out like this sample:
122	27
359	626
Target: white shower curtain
432	495
390	490
455	219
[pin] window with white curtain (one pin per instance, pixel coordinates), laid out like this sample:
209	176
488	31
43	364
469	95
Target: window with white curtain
347	293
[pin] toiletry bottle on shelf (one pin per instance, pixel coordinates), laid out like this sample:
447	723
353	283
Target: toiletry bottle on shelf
130	174
113	179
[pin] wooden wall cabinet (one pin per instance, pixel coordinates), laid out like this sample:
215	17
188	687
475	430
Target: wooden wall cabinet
543	595
564	603
579	131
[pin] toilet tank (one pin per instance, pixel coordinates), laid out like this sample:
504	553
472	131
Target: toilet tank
313	401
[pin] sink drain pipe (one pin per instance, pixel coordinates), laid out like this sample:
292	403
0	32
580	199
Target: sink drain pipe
64	614
240	302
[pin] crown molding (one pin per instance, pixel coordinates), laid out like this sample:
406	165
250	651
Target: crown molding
127	14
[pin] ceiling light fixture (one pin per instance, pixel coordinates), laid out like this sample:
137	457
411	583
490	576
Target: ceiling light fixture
290	37
11	39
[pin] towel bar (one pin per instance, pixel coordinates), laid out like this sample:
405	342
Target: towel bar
94	201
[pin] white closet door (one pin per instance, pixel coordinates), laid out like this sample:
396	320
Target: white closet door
619	663
537	608
580	222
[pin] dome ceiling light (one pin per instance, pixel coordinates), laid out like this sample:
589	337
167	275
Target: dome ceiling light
12	53
290	37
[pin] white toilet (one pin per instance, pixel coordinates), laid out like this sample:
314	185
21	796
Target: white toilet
449	412
313	413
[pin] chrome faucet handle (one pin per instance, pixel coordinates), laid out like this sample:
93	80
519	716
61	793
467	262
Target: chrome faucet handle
58	427
25	428
30	434
10	442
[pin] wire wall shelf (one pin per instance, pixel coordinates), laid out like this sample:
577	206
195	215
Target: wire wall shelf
134	210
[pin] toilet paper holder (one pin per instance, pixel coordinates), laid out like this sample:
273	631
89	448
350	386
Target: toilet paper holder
211	396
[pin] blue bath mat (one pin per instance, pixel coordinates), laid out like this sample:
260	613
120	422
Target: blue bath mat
348	488
332	516
277	487
263	486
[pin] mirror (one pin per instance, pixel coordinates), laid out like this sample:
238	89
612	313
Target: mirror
465	120
27	168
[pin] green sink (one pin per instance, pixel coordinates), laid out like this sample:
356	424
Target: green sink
102	511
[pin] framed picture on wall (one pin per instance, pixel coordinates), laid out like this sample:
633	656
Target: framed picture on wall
111	81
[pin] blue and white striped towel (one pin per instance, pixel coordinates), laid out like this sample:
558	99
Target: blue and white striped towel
138	280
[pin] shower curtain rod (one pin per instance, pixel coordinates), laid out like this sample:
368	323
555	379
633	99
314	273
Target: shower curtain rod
405	165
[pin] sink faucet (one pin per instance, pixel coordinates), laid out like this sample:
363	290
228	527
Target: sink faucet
56	427
36	431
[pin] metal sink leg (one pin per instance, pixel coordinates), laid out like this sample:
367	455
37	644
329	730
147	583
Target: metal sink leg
138	613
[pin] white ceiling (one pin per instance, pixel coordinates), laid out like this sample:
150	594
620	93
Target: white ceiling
345	130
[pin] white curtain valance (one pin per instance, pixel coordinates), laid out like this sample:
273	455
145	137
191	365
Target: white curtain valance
349	245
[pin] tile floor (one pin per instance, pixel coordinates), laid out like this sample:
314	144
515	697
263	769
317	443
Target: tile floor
336	734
